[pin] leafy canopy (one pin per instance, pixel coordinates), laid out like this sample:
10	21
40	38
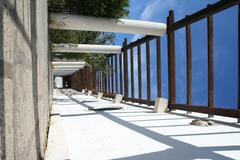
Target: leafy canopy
114	9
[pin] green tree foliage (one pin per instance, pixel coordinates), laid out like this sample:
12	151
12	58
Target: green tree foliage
113	9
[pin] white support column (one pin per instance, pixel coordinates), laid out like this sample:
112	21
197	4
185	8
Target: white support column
87	23
85	48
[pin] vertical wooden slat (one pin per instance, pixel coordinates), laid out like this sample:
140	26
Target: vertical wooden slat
75	81
148	72
159	78
112	75
84	78
116	74
125	55
120	70
189	64
87	78
101	82
90	78
105	82
132	74
171	60
139	72
210	64
239	60
108	77
94	80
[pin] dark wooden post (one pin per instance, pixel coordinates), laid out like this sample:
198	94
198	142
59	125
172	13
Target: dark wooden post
116	74
125	55
239	60
120	70
148	73
139	73
171	60
210	64
132	74
189	64
112	75
159	78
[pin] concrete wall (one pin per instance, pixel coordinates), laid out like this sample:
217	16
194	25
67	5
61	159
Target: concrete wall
24	79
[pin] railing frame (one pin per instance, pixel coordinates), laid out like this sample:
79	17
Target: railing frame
186	22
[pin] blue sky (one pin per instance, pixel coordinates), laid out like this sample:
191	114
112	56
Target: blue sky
225	51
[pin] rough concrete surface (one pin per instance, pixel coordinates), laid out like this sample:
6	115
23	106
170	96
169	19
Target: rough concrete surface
57	147
24	88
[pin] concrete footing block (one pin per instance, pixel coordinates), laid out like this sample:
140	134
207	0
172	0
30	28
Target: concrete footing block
83	91
99	95
118	98
161	105
89	93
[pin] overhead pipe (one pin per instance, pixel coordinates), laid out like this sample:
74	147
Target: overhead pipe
85	48
72	66
82	63
88	23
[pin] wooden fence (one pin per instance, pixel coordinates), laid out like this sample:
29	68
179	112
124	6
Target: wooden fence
118	80
121	65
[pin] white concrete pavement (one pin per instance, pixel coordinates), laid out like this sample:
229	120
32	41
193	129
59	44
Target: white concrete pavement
139	134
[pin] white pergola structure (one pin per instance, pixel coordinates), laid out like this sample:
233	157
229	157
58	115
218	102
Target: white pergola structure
81	63
88	23
63	72
65	68
85	48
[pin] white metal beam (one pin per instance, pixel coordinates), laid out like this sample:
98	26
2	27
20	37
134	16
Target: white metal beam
87	23
64	70
72	70
67	63
63	73
85	48
67	67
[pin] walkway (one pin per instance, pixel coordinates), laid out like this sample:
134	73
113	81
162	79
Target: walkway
135	133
